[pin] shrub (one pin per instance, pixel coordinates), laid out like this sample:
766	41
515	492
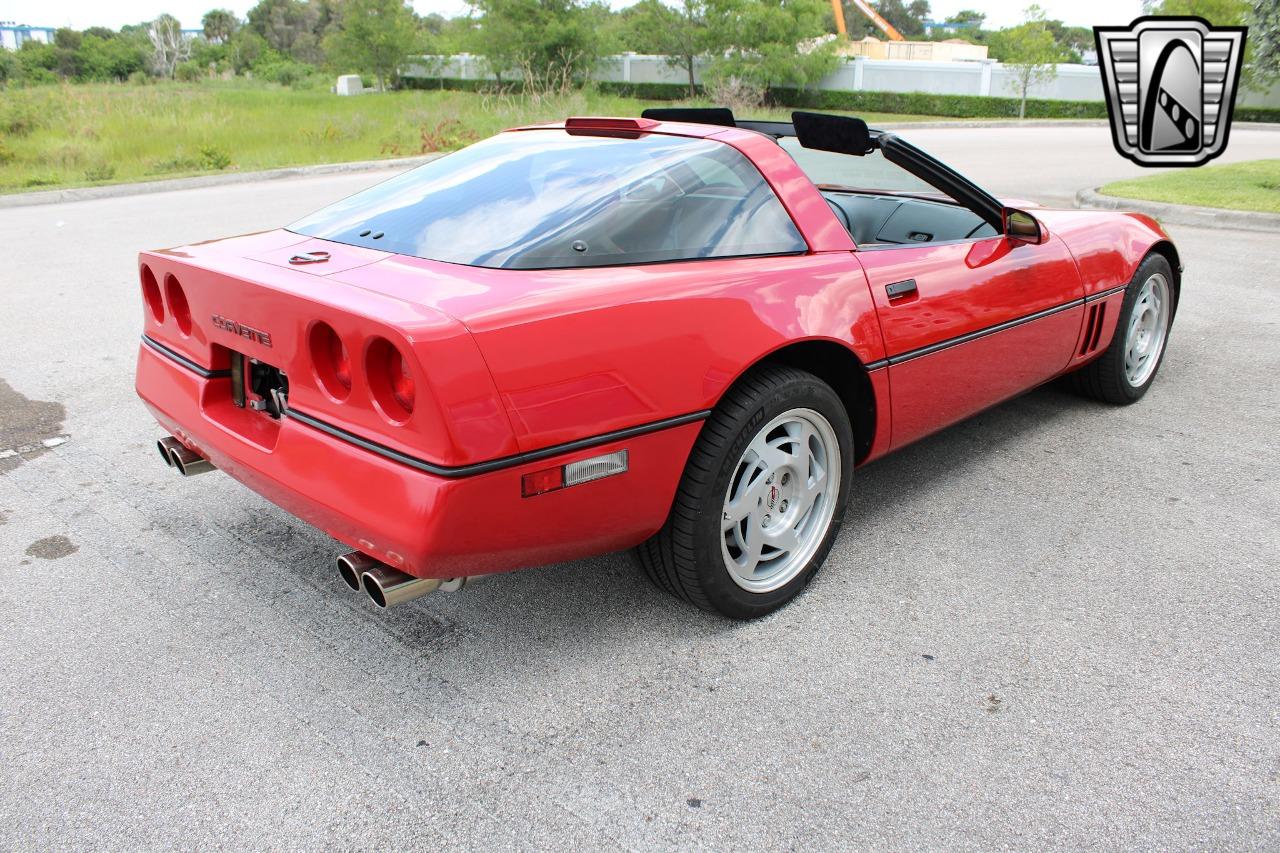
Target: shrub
6	153
188	72
63	155
736	93
447	135
99	172
925	103
19	117
1271	114
139	78
10	68
174	164
214	158
286	72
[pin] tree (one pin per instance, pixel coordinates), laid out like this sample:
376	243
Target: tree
679	34
1029	52
245	49
219	25
906	17
1071	41
761	42
290	26
550	43
1264	37
432	23
1222	13
67	43
113	58
373	36
968	18
168	45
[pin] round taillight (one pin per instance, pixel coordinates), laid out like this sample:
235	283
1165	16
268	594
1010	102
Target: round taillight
401	382
151	294
331	362
178	306
390	380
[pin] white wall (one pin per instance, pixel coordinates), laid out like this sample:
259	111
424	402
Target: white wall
988	77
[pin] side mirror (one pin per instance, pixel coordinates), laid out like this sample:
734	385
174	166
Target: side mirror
1020	225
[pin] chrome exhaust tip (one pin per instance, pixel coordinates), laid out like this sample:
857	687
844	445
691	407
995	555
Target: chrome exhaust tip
352	566
388	587
166	446
188	462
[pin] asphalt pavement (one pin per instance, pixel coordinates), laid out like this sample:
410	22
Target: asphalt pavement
1053	626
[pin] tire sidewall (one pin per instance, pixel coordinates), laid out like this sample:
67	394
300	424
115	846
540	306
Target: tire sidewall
716	582
1149	267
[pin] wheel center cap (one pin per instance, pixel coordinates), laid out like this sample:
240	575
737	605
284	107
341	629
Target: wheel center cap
773	496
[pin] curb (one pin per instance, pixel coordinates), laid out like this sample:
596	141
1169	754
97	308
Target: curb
173	184
1182	214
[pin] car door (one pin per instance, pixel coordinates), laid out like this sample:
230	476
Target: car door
970	323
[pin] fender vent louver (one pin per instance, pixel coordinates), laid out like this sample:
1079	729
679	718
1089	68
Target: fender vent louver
1093	328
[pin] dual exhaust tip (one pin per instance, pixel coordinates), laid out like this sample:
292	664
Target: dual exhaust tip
386	586
177	455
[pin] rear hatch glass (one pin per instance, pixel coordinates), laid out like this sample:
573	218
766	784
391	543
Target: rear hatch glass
546	199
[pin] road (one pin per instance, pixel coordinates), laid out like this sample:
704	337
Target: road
1053	626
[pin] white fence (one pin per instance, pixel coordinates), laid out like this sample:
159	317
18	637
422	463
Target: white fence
988	77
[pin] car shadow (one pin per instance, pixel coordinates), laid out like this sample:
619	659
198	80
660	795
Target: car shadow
606	600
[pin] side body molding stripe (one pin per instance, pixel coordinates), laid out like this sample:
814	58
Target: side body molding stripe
183	360
981	333
495	464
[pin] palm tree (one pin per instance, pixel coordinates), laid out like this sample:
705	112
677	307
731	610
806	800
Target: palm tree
219	25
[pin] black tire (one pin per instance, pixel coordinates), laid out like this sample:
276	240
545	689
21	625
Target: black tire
1104	378
685	557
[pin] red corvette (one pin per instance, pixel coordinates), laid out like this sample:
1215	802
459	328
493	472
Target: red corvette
679	333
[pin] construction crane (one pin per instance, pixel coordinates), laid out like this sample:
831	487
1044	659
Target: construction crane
865	8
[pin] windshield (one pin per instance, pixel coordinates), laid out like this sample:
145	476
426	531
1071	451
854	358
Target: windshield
547	198
870	171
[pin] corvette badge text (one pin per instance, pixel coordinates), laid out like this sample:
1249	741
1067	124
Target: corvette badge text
247	332
1170	84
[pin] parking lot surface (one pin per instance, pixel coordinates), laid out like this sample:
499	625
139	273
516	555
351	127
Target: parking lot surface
1052	626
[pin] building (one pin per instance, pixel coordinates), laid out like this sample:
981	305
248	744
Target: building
951	50
13	36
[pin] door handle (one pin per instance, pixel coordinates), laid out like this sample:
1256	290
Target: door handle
899	289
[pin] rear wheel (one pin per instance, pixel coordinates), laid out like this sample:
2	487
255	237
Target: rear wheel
1124	372
761	498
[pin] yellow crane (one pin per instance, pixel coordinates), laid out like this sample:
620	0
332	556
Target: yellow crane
865	8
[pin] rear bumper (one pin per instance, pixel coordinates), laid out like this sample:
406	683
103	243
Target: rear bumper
428	525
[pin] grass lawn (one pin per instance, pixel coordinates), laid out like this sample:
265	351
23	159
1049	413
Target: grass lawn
82	135
1254	185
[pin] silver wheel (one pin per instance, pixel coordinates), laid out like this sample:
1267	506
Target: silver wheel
1148	328
781	500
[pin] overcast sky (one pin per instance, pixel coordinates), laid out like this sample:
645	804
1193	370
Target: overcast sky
115	13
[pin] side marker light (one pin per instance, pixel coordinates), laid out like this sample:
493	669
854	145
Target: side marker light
573	474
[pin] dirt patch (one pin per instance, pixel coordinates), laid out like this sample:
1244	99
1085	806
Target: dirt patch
52	548
27	427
